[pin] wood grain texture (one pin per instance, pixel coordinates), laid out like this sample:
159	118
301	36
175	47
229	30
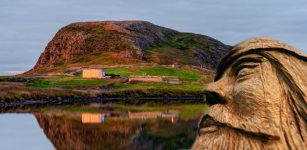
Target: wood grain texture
258	99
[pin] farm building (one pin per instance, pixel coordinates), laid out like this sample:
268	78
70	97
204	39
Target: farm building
92	118
172	80
93	73
159	79
145	79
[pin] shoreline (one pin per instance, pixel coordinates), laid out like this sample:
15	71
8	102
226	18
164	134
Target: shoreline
5	106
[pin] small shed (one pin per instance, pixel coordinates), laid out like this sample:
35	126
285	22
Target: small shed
93	73
159	79
92	117
145	79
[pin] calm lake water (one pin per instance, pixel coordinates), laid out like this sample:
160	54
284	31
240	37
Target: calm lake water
98	126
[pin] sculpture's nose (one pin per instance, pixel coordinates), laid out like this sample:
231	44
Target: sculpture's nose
215	94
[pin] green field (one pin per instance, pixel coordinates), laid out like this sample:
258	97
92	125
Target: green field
63	81
151	85
190	79
183	75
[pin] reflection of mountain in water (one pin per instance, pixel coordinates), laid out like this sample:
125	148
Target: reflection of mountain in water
66	131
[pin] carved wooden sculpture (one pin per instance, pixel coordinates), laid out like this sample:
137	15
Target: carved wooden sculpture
258	99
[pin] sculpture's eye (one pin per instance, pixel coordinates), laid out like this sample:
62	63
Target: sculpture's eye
245	70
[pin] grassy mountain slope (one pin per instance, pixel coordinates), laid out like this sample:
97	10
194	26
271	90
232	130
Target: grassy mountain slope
94	44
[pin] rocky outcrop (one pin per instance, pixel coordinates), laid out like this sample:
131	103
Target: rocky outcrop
126	42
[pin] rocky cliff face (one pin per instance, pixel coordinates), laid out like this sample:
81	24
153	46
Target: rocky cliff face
126	42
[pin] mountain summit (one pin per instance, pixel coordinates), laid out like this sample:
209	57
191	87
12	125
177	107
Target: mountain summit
86	44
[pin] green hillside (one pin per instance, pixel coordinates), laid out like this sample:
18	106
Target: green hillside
109	43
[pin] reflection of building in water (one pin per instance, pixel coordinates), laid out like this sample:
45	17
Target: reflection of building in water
102	117
153	115
65	132
93	117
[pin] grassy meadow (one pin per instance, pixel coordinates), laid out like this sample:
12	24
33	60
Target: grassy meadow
193	81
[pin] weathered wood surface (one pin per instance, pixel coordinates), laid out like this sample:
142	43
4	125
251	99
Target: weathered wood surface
258	99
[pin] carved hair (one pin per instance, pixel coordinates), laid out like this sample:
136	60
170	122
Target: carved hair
291	69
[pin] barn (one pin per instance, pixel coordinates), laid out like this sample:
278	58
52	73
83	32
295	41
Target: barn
93	117
93	73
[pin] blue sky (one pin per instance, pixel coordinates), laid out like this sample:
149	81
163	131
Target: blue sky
28	25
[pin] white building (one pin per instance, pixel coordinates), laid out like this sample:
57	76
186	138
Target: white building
93	73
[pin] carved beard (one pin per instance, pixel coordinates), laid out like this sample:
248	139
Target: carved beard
228	139
227	134
219	136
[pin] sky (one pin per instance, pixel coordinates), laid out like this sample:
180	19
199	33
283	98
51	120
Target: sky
26	26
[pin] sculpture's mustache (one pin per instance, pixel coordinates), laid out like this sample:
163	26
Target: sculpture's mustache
220	114
208	124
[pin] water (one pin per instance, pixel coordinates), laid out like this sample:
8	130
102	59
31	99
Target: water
98	127
20	131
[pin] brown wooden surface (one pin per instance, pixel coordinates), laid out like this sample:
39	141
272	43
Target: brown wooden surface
258	99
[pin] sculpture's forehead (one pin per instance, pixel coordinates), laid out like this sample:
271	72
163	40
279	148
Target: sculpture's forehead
245	59
263	43
250	58
255	46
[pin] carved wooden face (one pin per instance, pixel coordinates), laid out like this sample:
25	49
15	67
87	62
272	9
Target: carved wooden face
245	107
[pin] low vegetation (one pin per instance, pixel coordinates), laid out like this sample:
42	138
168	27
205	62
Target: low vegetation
66	82
18	91
184	75
193	82
185	46
190	79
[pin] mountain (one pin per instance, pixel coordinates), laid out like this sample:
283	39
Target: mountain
86	44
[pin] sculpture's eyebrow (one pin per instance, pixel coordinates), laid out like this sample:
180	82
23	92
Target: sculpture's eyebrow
240	61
